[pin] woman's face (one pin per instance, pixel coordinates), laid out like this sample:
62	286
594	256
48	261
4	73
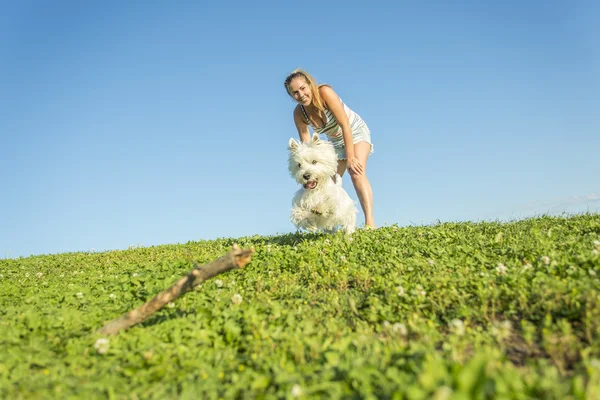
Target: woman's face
300	91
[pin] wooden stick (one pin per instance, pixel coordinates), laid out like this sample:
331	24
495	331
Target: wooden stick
236	258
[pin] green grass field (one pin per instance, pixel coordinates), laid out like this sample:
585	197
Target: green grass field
449	311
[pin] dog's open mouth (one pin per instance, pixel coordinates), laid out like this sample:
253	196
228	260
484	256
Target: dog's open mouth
310	185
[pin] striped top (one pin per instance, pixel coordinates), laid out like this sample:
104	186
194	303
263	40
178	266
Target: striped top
332	129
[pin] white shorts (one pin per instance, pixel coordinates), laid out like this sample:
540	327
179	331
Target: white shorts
362	134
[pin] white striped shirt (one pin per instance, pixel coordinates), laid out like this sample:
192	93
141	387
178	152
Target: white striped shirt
332	129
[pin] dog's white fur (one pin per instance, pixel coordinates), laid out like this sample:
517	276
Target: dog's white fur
321	203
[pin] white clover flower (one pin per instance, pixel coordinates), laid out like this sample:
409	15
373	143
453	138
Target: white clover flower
343	258
131	247
399	329
236	299
430	262
219	283
527	267
458	326
296	391
232	283
597	244
79	295
39	274
112	296
134	274
595	252
443	393
102	345
546	260
386	324
171	304
400	290
419	291
592	272
501	269
502	329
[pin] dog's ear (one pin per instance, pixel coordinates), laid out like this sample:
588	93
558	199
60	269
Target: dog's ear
292	144
315	138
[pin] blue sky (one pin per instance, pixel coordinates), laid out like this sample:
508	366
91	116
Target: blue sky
155	122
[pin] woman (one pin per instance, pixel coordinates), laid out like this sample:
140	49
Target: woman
322	109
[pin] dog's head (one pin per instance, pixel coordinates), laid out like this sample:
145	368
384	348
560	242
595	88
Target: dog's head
312	163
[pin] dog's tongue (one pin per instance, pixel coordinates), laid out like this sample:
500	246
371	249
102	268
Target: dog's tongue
310	185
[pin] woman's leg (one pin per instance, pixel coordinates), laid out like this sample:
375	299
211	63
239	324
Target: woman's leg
341	167
361	182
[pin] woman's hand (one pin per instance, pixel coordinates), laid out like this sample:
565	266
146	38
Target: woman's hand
354	166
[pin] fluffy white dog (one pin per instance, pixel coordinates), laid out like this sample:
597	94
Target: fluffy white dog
321	203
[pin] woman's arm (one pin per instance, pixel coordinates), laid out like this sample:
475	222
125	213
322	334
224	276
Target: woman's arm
334	104
301	125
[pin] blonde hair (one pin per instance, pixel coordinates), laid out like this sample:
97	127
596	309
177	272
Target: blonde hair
314	88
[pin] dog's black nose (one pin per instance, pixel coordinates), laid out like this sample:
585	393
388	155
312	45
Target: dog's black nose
306	176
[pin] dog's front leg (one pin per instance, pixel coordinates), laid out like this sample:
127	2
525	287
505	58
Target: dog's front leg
309	224
304	218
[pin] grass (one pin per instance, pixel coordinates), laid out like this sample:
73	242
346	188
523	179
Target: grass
451	311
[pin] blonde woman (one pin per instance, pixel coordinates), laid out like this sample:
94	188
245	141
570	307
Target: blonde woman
322	109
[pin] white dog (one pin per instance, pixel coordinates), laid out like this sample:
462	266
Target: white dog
321	203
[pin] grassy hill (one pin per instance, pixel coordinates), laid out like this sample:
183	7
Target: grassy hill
451	311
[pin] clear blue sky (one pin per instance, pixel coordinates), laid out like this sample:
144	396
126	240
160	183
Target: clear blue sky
155	122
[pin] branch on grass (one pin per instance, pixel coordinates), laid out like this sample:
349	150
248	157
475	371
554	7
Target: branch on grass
235	258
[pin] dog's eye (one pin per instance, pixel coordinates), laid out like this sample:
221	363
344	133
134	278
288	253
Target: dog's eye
314	161
299	165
